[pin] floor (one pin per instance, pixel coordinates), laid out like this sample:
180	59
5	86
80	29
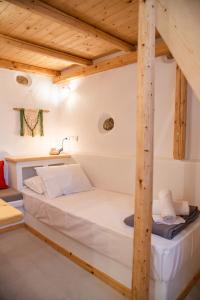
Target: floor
31	270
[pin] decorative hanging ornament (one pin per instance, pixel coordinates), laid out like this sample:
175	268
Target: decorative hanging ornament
31	122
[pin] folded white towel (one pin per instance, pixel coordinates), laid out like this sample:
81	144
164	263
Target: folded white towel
159	220
181	208
167	209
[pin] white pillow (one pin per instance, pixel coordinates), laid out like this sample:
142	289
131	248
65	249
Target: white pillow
63	180
35	184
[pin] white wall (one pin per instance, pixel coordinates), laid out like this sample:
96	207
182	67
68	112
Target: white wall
78	113
41	94
114	92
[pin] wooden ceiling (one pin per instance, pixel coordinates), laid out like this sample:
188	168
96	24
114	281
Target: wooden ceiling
55	35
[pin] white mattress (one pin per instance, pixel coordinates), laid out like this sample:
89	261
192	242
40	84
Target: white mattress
95	218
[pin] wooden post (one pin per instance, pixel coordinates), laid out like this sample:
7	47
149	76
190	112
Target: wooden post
144	150
180	115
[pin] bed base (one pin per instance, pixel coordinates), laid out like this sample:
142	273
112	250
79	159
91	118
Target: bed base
89	268
83	264
122	289
159	290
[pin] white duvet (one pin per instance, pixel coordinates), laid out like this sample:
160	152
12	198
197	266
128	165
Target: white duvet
95	218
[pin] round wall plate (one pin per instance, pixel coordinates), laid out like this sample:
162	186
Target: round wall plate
106	123
23	80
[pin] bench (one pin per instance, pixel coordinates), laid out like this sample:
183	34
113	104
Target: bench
10	195
9	214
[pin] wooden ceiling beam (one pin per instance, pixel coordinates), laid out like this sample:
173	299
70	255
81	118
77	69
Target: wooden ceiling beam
17	66
66	19
21	44
108	64
180	117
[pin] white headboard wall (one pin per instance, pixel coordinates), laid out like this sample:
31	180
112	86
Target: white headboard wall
117	174
109	173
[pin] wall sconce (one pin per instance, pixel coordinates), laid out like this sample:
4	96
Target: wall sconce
55	151
61	149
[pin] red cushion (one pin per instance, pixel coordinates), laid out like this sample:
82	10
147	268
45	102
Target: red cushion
3	184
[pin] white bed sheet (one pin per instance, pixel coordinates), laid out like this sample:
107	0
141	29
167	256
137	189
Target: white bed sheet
95	218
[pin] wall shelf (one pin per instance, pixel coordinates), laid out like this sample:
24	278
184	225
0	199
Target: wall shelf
17	159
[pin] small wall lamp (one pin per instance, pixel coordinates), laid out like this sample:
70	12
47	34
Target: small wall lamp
61	149
55	151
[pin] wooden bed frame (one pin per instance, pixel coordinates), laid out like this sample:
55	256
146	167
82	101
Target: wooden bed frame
122	289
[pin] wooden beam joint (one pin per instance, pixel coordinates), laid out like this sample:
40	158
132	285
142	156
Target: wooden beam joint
13	65
107	64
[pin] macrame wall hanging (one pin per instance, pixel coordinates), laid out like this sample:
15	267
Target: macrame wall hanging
31	121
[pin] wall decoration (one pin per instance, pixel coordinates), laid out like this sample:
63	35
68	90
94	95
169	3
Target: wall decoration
106	123
31	121
24	80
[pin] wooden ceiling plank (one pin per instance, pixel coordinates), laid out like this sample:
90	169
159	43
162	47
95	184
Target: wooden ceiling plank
8	22
58	16
13	65
21	44
108	64
3	6
50	34
106	15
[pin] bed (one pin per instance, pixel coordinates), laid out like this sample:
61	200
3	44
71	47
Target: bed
90	224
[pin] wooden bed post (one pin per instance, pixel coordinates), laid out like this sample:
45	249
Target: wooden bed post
144	150
180	115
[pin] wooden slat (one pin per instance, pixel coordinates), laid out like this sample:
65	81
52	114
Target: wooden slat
30	58
21	44
13	65
39	30
180	115
116	62
83	264
17	159
20	108
66	19
11	228
178	22
114	16
144	150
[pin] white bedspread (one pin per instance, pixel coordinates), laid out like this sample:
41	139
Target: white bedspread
95	218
